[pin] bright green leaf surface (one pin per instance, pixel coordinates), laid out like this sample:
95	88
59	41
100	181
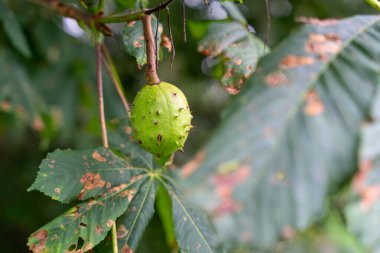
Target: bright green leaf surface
291	134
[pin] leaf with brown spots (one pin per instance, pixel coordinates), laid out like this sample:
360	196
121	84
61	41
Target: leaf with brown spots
363	209
134	42
293	128
68	175
234	47
89	221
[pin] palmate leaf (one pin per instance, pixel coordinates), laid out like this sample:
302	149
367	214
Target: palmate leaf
133	223
291	134
192	228
68	175
236	48
85	225
134	41
363	211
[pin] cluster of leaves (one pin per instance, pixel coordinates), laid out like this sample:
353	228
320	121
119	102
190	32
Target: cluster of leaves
287	142
117	183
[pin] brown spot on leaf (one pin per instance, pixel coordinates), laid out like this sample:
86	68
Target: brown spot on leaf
98	230
369	194
316	21
87	247
232	90
165	42
128	130
121	231
190	167
288	232
110	223
225	182
42	236
90	181
238	62
5	106
314	106
126	249
57	190
293	61
128	193
323	45
98	157
131	23
137	44
38	124
276	78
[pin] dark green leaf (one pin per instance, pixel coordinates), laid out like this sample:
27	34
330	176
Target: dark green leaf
363	211
14	31
134	41
85	225
133	223
16	91
192	228
292	130
68	175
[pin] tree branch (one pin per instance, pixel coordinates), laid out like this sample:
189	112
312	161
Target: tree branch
75	13
97	20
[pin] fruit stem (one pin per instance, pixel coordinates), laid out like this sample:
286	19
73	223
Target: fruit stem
151	71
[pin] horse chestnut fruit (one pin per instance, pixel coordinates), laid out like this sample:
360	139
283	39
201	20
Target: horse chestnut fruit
161	119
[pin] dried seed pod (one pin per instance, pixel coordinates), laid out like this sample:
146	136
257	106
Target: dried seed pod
161	119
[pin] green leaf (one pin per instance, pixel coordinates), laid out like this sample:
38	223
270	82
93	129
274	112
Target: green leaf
16	91
134	41
237	50
14	31
120	139
331	235
132	4
363	210
85	225
133	223
68	175
192	228
292	129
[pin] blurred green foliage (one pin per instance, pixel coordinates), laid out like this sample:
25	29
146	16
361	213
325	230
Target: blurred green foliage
56	73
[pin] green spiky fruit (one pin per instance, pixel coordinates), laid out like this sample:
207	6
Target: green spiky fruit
161	119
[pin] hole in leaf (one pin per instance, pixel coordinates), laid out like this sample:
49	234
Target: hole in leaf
72	247
80	242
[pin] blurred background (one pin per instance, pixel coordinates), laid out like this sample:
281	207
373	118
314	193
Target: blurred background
48	92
